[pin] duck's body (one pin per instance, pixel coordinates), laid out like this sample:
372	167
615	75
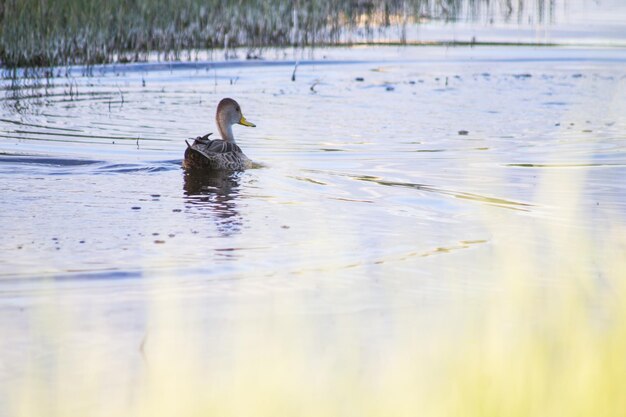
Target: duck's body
213	155
219	154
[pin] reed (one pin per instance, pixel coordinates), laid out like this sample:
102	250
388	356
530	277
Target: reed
38	33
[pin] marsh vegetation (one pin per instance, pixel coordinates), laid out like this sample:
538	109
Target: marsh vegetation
65	32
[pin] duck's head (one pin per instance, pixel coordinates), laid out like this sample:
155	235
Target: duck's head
229	113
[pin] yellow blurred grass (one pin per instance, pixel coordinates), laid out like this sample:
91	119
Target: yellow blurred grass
529	350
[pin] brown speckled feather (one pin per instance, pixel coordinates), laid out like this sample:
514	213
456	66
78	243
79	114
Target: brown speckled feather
215	154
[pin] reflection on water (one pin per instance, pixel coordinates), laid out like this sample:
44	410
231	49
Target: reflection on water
214	194
498	202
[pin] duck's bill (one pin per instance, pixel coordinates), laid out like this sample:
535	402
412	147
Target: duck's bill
244	122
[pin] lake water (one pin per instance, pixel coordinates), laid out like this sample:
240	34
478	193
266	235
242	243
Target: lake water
365	164
384	172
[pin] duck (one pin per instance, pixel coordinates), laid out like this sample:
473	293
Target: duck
219	154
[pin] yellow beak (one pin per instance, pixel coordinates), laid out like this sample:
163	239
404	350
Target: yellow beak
244	122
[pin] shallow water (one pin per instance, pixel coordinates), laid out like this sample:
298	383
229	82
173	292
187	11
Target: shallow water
383	173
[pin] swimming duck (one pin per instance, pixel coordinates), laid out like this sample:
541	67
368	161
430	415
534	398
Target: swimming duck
219	154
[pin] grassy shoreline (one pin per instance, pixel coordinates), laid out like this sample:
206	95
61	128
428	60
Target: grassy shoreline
43	33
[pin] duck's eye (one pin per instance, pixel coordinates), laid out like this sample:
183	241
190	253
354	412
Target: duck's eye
237	108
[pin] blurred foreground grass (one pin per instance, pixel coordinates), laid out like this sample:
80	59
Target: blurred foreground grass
35	33
549	341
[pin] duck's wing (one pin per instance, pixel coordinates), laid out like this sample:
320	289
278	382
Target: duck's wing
216	146
203	139
214	154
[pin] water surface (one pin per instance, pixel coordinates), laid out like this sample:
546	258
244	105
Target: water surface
365	177
384	173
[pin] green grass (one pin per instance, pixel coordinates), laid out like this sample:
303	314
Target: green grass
37	33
